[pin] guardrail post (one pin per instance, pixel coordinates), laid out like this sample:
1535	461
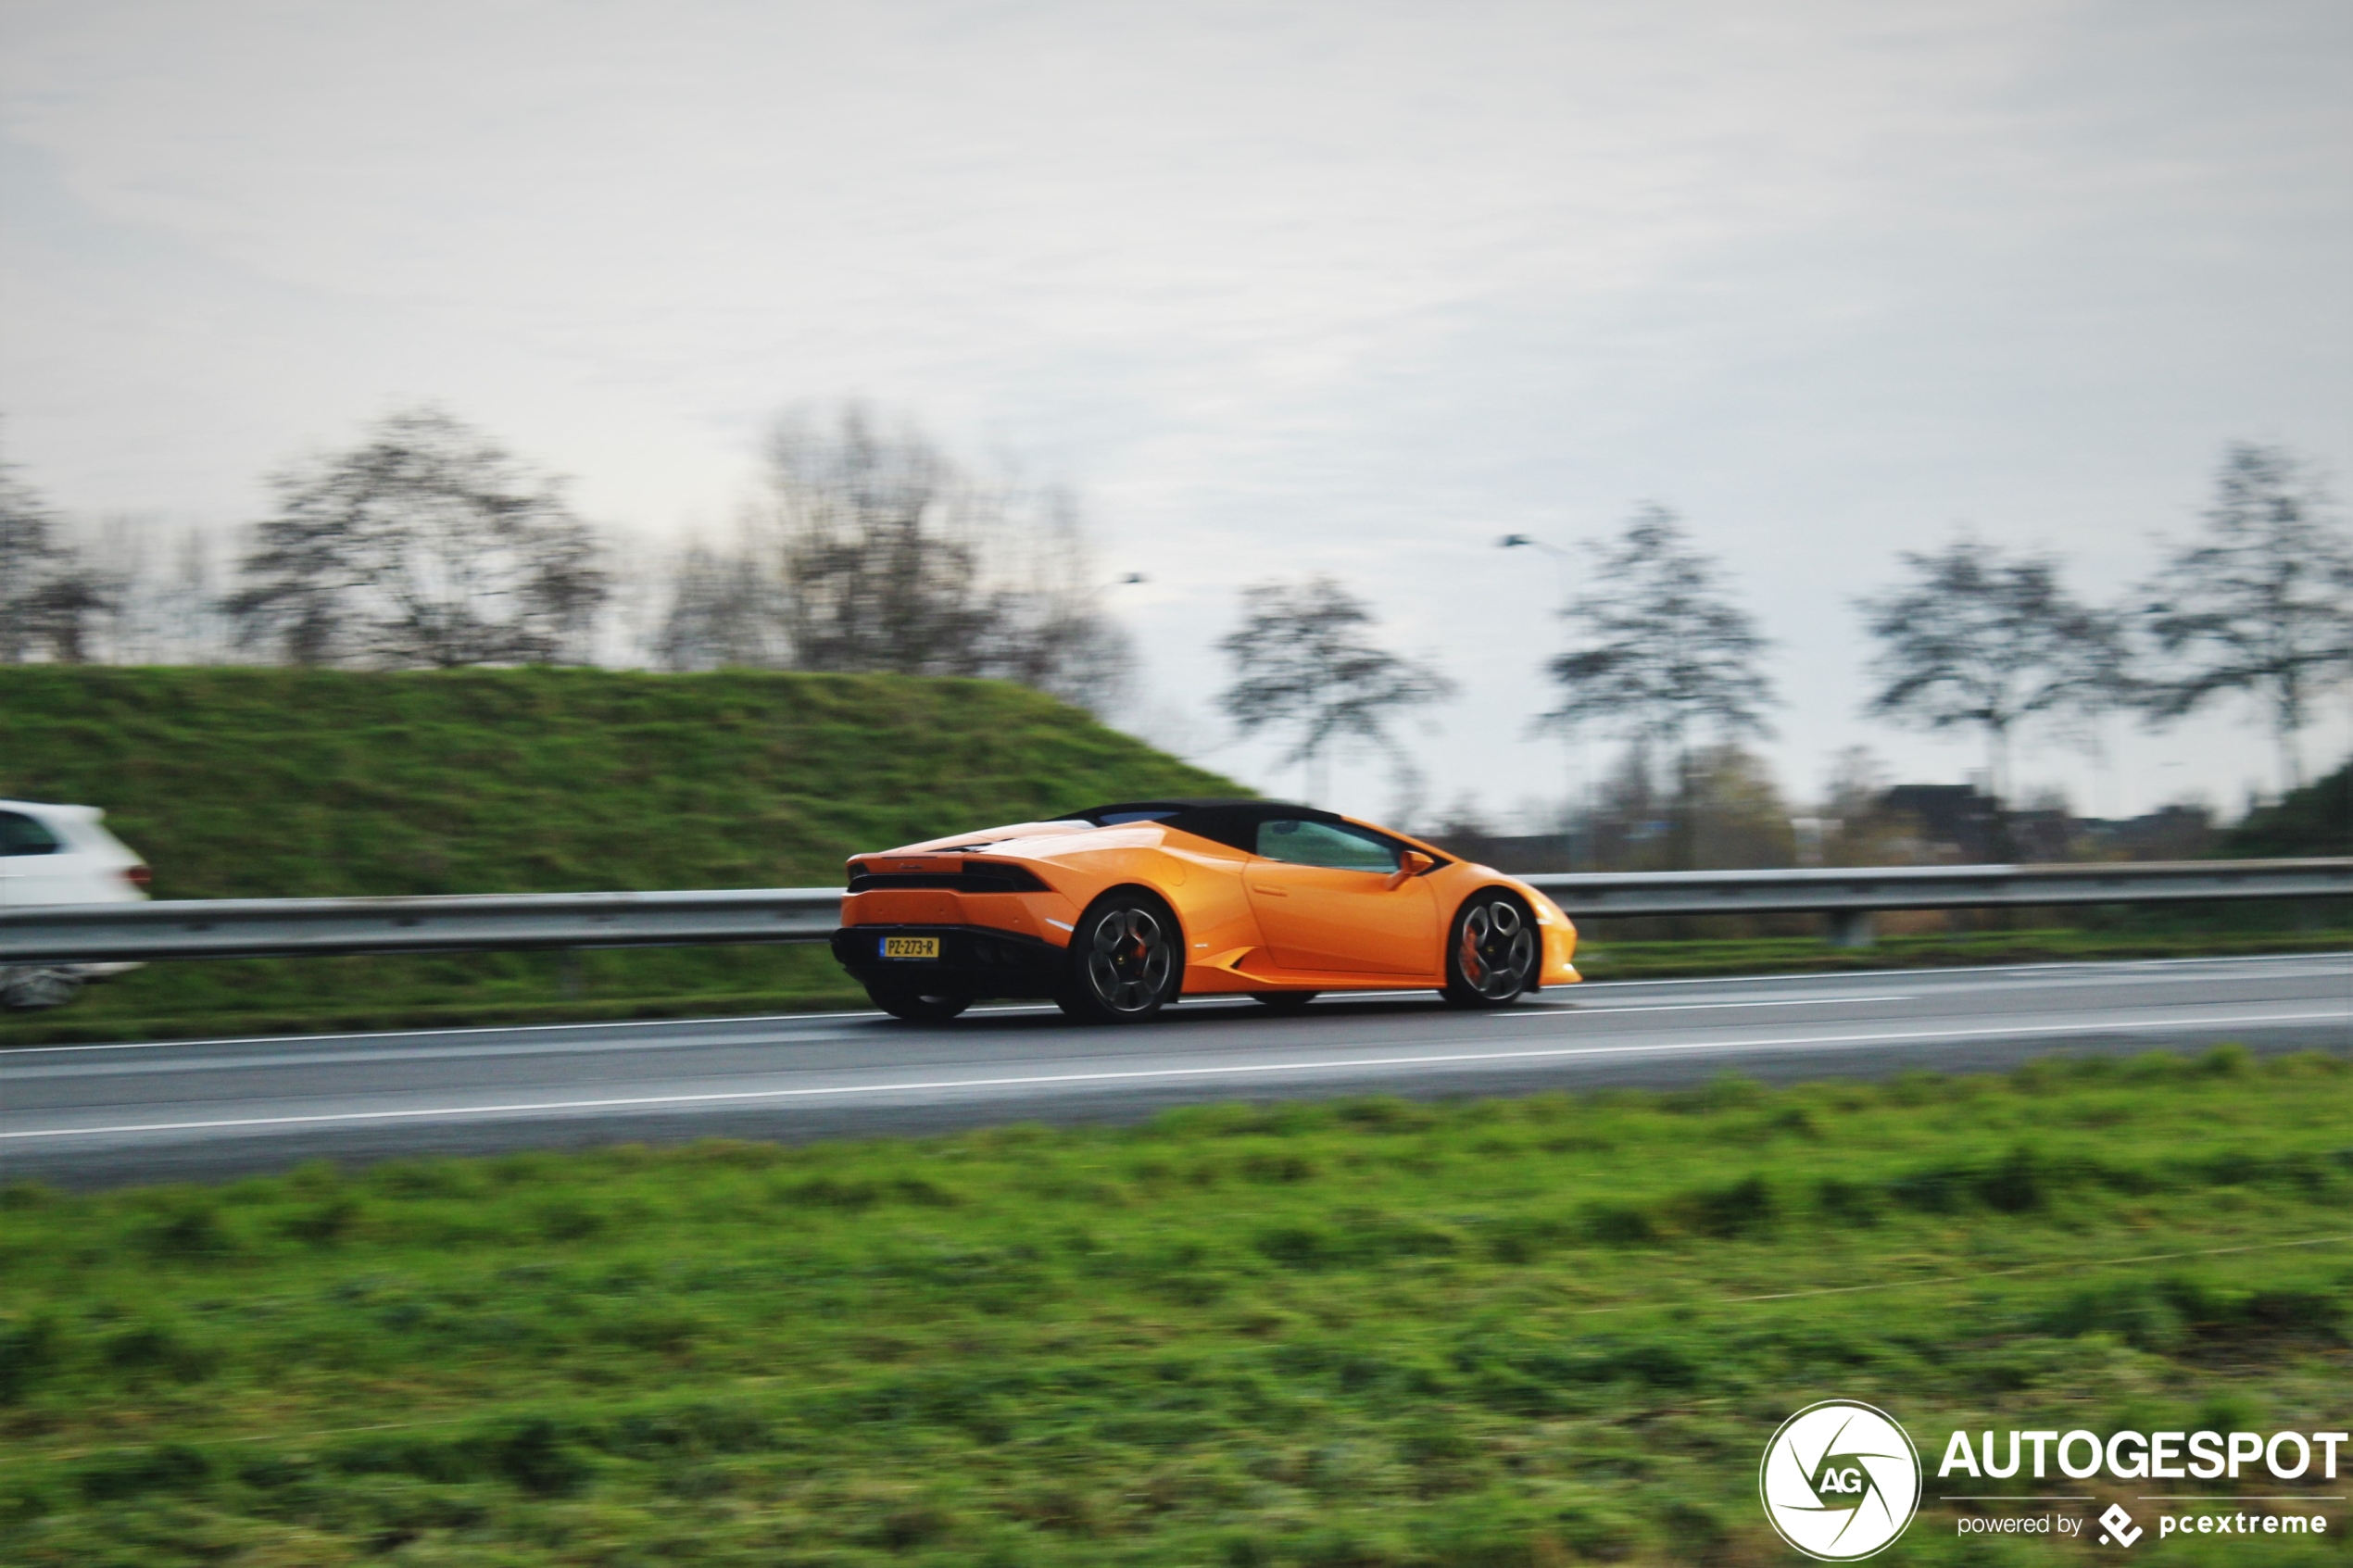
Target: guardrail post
568	984
1852	928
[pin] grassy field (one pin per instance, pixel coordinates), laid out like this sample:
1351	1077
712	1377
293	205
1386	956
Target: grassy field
284	783
1505	1333
290	783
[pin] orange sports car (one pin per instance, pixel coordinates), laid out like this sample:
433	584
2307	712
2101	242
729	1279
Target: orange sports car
1117	911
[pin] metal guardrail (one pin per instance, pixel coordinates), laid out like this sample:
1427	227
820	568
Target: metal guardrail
1607	895
1851	895
255	928
312	927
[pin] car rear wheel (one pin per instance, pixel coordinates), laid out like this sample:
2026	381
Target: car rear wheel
1284	1001
916	1005
1126	961
1491	957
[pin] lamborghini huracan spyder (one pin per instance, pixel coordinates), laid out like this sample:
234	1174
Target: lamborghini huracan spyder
1117	911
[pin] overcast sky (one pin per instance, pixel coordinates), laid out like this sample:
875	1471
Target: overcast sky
1343	287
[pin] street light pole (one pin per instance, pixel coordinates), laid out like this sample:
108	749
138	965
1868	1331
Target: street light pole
1570	742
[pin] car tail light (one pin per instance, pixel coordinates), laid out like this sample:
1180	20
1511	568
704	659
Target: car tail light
138	876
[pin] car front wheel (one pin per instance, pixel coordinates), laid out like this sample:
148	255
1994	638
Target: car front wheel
1126	961
1491	955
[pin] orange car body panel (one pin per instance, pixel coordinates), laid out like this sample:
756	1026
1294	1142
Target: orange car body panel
1322	919
1251	923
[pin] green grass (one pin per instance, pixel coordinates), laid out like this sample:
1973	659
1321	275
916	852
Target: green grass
239	782
1502	1333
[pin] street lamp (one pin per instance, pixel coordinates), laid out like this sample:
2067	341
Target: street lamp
1560	558
1570	740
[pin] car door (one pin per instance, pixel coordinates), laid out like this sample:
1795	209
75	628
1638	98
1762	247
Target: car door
1327	896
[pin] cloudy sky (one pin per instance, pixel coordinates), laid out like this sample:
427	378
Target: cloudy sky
1337	287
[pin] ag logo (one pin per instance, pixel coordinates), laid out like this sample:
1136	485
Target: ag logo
1840	1480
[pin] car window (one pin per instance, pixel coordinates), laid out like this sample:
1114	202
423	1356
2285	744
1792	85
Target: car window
1325	844
20	835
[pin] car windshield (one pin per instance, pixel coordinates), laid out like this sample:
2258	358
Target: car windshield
1325	844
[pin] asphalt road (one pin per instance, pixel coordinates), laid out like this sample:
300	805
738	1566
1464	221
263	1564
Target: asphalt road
99	1114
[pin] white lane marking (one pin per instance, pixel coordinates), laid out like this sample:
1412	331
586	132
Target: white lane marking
695	1042
1935	972
1573	1010
713	1042
2286	965
1135	1074
989	1010
12	1051
394	1054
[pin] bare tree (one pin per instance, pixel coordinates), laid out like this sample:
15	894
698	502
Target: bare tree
1740	819
425	545
1979	640
1047	627
50	600
28	556
1302	663
2261	604
1661	656
163	604
880	539
724	612
892	557
1853	825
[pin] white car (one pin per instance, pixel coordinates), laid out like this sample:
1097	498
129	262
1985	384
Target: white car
60	855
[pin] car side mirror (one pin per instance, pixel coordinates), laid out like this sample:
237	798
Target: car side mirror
1411	864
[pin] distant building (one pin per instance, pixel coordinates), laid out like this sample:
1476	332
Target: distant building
1961	823
2176	833
1956	821
1952	824
1519	853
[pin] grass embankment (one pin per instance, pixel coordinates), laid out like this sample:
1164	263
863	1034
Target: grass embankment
290	783
1504	1333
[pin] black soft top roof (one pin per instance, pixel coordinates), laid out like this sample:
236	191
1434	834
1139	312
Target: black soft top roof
1167	810
1221	821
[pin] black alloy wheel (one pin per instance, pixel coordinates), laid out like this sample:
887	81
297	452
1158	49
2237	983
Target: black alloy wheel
914	1004
1492	955
1126	961
1284	1002
35	988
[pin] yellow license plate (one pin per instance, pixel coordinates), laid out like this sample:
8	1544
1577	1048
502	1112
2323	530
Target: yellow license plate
910	947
